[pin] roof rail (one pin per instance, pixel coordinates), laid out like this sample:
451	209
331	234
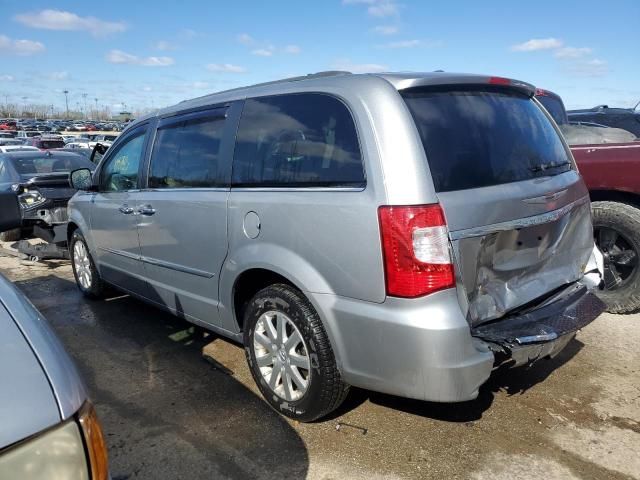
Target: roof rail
327	73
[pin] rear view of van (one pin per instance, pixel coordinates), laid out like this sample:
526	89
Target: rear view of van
403	233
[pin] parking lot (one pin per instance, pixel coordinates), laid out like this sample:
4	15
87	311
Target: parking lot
177	404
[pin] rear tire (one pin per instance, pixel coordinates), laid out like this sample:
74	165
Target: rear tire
617	234
11	235
84	270
313	390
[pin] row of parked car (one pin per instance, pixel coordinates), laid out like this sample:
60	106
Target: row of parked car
53	125
404	233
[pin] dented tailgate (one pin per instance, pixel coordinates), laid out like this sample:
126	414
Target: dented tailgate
517	210
508	264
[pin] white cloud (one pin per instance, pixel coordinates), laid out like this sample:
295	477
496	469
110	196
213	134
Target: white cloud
57	76
60	20
292	49
404	44
246	39
572	52
348	65
120	57
20	47
7	78
262	52
164	46
226	67
198	85
146	89
383	9
536	44
385	29
377	8
588	68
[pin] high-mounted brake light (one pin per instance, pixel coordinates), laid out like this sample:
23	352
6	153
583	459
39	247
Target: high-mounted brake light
415	245
499	81
541	92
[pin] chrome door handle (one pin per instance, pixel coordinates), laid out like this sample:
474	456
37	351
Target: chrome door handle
146	210
126	209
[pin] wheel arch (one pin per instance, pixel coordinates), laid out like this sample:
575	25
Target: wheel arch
629	198
249	267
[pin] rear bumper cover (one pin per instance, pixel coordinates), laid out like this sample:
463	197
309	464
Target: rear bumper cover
544	330
424	348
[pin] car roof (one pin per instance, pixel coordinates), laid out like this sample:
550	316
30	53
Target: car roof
324	80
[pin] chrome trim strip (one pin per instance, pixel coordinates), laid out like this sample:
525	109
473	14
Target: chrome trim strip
297	189
518	223
160	263
176	267
121	253
545	337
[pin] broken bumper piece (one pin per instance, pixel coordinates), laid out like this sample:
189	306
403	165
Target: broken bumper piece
541	332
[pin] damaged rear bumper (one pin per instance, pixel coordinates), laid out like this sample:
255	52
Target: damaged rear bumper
542	332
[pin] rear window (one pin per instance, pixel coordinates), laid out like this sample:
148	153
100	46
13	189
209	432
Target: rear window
47	144
50	164
482	137
555	108
297	140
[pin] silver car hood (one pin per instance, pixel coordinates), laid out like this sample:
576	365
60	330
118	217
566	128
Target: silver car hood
27	404
39	384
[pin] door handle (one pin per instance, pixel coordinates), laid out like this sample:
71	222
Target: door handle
146	210
126	209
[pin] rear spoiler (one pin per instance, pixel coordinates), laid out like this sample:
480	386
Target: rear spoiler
467	81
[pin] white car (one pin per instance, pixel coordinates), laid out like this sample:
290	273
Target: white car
13	148
77	145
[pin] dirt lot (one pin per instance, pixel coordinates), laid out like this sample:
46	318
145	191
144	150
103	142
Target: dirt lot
175	405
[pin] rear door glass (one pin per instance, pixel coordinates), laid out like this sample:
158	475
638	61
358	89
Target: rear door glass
297	140
482	137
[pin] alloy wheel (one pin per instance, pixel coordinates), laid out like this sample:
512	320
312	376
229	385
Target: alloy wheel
281	355
620	258
82	264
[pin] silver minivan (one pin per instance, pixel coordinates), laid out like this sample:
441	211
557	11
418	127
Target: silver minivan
404	233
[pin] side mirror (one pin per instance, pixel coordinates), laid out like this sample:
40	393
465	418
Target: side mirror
80	179
98	152
10	211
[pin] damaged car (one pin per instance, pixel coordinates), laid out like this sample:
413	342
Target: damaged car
403	233
41	180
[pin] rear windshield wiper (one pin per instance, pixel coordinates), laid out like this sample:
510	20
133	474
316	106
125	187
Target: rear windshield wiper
547	166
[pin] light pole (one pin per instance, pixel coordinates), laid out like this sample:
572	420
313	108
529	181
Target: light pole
24	105
96	100
84	96
66	101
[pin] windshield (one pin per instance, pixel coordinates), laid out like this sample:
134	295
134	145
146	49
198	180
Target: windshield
482	137
50	164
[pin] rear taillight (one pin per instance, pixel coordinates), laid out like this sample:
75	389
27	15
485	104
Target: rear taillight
415	245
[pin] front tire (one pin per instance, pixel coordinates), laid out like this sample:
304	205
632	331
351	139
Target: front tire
290	356
617	234
84	270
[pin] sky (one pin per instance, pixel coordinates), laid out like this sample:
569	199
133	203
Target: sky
142	54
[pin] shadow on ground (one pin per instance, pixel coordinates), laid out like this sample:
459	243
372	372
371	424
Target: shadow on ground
167	413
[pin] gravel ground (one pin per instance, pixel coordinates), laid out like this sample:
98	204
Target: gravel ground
175	404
